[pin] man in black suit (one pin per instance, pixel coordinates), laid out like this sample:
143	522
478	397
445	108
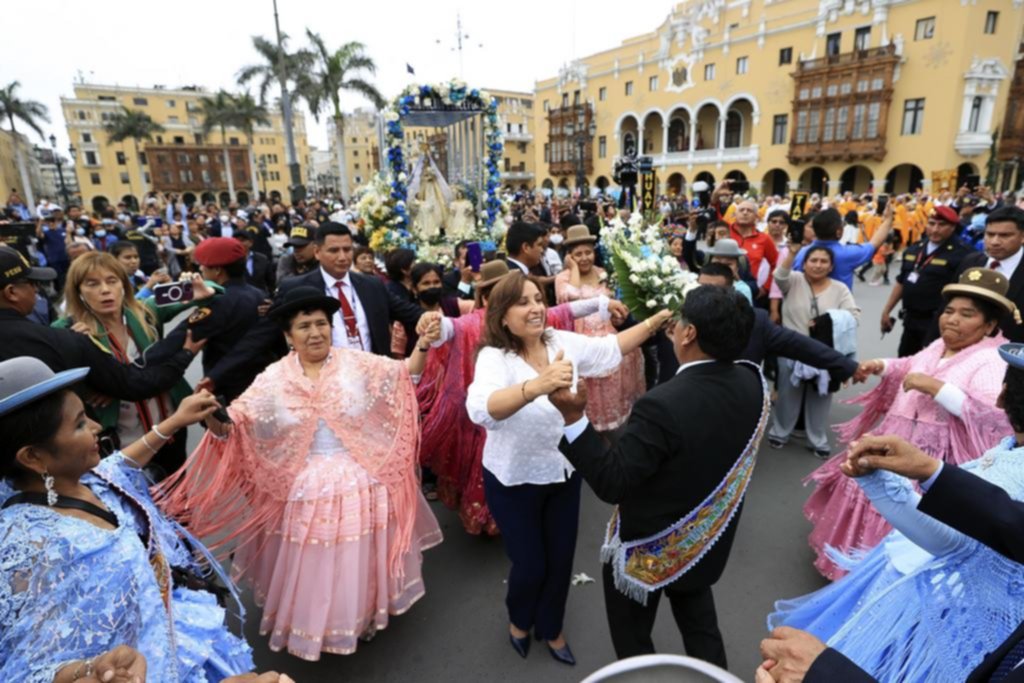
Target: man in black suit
953	496
365	325
682	440
1004	239
767	338
258	271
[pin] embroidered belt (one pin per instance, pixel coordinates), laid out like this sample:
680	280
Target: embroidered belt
647	564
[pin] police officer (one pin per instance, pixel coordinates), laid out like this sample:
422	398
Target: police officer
302	258
226	319
927	267
63	349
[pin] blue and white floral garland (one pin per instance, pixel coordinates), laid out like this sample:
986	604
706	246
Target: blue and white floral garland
451	93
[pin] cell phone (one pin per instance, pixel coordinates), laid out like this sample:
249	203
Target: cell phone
172	293
973	181
883	201
739	186
221	414
796	230
474	256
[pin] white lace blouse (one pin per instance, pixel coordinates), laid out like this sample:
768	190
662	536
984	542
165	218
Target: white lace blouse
523	448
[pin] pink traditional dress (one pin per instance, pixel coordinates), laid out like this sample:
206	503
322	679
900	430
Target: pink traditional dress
843	517
317	493
611	396
452	446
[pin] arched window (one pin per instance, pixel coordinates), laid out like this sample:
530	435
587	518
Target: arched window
733	129
628	144
975	118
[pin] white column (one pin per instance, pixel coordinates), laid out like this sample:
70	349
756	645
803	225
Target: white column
721	132
693	134
639	140
878	186
664	138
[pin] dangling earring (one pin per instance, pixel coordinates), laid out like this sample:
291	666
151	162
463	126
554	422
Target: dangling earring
51	495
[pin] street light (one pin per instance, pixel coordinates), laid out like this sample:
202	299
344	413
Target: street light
584	133
261	164
60	169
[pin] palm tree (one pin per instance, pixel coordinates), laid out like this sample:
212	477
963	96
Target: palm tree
30	113
248	113
268	72
134	125
218	112
333	74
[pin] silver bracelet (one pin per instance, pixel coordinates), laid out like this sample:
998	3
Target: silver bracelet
161	435
145	443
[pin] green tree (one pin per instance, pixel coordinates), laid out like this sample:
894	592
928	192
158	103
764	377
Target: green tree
219	112
332	75
29	112
134	125
268	71
249	113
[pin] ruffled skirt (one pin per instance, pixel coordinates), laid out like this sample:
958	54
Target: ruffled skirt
207	651
323	578
611	398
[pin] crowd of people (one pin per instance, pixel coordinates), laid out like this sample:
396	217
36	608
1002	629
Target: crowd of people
343	390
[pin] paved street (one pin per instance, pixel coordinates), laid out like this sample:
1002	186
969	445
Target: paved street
458	631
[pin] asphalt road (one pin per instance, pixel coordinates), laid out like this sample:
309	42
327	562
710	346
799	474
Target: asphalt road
458	630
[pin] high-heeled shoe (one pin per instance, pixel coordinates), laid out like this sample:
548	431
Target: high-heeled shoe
562	654
520	645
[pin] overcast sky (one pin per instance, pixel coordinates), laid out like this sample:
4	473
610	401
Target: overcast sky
205	42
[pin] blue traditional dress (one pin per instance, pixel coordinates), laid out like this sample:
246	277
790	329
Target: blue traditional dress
70	590
928	602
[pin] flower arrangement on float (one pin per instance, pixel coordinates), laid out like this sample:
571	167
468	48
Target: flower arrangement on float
647	276
381	215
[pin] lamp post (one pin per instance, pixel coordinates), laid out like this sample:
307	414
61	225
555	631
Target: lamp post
60	169
261	165
584	134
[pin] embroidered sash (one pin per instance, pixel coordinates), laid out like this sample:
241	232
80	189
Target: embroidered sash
647	564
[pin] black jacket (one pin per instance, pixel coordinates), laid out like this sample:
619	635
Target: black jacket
262	273
1011	330
768	338
984	512
64	349
380	307
226	321
681	439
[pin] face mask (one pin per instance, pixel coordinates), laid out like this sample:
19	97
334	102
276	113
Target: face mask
101	233
556	239
224	218
123	217
79	231
431	297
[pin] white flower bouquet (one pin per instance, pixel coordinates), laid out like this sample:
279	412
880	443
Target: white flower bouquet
648	277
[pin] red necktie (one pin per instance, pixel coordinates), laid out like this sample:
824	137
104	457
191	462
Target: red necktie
348	315
993	264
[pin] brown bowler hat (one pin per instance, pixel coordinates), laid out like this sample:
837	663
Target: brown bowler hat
491	272
577	234
985	284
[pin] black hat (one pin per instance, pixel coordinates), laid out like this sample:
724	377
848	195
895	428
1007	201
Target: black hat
300	236
14	266
303	299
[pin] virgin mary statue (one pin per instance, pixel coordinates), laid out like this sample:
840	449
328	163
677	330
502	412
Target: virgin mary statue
431	196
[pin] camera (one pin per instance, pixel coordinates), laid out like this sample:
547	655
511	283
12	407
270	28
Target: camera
172	293
740	186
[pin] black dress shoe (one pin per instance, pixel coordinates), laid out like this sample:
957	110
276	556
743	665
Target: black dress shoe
563	654
520	645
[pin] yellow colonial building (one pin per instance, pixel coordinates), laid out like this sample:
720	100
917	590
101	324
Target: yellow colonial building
181	159
820	95
10	175
362	150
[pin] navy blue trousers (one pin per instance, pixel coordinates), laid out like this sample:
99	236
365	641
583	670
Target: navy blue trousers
538	524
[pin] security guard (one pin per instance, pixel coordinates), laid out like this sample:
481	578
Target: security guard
927	267
63	349
302	259
225	320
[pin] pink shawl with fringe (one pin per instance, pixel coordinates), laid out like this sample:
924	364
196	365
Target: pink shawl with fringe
234	488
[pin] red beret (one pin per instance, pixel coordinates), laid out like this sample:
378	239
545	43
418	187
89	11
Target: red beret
218	251
944	213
